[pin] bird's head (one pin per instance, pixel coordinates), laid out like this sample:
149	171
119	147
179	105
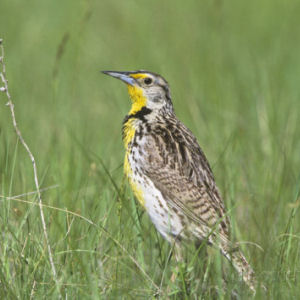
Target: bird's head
146	89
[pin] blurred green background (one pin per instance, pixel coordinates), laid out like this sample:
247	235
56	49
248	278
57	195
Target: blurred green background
234	72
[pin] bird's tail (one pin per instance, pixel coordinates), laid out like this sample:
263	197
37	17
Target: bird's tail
242	266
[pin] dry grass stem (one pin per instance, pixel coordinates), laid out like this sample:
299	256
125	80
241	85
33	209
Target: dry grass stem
36	180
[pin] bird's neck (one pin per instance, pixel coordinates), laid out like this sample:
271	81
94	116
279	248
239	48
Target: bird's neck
137	112
131	123
138	99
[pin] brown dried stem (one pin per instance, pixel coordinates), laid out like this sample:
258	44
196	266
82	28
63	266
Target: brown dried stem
18	132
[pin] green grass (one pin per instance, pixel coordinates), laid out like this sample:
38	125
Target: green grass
234	70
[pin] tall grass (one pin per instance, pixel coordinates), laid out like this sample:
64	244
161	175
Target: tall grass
234	70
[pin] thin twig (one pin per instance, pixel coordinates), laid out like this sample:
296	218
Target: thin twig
32	290
30	193
18	132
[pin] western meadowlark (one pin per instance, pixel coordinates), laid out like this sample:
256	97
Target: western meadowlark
169	173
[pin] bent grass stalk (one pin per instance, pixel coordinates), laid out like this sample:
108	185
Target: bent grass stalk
10	104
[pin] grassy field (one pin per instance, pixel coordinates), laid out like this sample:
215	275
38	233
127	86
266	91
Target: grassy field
234	72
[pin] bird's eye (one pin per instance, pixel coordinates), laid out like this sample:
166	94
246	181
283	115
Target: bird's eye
148	80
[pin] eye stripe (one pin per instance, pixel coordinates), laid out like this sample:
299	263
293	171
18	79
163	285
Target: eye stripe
139	75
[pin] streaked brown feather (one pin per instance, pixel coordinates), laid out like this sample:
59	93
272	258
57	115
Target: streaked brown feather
182	173
177	166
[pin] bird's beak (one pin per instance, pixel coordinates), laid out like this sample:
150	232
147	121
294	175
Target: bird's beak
124	76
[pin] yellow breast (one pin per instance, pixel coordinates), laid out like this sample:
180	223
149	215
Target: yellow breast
137	190
128	133
138	102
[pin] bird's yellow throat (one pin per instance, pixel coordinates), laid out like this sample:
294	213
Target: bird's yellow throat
138	102
137	97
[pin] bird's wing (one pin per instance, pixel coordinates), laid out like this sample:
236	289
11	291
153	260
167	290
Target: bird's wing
177	167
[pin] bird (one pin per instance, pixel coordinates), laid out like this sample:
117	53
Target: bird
169	173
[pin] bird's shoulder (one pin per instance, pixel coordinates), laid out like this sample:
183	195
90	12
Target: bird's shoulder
171	145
